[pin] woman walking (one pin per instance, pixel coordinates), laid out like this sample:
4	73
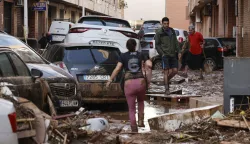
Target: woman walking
135	84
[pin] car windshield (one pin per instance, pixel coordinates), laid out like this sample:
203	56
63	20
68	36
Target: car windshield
148	37
104	21
228	42
26	54
91	55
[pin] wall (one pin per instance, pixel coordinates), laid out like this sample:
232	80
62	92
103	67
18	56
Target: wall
176	12
107	7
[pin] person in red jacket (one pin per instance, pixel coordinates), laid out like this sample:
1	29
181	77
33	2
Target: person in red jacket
195	52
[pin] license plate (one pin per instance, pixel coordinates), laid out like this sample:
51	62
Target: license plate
58	38
103	43
69	103
96	77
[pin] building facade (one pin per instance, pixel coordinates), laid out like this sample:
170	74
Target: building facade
176	12
213	18
243	28
223	18
39	20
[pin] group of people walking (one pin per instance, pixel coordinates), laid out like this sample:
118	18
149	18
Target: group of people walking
138	71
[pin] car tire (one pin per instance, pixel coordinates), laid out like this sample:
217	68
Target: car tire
157	65
211	62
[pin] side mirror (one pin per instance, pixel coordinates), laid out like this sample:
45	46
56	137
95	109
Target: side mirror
36	73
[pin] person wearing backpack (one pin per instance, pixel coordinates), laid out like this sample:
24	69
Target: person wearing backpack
167	46
135	83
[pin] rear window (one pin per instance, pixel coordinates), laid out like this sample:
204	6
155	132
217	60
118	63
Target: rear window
104	21
88	55
177	32
26	54
228	42
148	37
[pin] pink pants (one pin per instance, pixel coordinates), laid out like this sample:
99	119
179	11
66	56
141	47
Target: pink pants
135	89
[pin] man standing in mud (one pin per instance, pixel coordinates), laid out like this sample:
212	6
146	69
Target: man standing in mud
195	51
167	46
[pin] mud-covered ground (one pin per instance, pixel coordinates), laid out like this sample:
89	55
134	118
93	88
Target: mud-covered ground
211	89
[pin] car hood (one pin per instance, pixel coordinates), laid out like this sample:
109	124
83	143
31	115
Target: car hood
50	70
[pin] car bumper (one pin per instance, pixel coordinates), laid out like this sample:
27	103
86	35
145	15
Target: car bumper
8	138
98	93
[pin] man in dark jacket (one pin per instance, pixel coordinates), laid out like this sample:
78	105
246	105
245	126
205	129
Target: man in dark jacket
167	46
43	41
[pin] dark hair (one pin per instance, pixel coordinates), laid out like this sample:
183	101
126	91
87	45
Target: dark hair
131	44
165	19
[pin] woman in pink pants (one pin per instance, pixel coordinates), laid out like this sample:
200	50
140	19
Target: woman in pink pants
135	84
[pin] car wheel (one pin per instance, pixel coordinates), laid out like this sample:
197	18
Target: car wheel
210	62
157	65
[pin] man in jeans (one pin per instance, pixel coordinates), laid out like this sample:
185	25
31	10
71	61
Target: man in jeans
167	46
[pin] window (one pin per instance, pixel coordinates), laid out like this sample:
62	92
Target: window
6	69
185	33
21	68
148	37
73	17
177	32
211	43
61	14
26	54
104	21
87	55
58	55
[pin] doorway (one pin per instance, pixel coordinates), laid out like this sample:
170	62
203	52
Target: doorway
7	17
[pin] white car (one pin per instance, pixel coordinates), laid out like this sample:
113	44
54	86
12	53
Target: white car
8	125
148	44
181	34
58	30
102	30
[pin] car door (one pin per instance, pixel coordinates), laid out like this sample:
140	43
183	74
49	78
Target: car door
14	72
210	49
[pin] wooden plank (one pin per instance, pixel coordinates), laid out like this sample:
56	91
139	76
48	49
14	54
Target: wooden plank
172	121
172	96
178	91
27	133
233	123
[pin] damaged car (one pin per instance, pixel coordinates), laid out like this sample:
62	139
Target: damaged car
63	88
91	65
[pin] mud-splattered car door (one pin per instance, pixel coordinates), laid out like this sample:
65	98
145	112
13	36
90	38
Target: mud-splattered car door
16	75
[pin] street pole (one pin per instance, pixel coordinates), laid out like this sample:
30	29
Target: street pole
26	31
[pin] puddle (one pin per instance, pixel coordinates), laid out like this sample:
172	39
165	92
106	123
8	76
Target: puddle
151	110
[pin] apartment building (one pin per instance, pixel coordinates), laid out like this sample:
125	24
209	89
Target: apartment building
176	12
42	12
213	18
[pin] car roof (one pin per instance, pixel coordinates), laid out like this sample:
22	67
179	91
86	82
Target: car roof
97	16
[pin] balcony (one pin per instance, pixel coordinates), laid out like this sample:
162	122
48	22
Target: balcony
195	5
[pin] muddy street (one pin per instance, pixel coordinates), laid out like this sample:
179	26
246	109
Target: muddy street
209	88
